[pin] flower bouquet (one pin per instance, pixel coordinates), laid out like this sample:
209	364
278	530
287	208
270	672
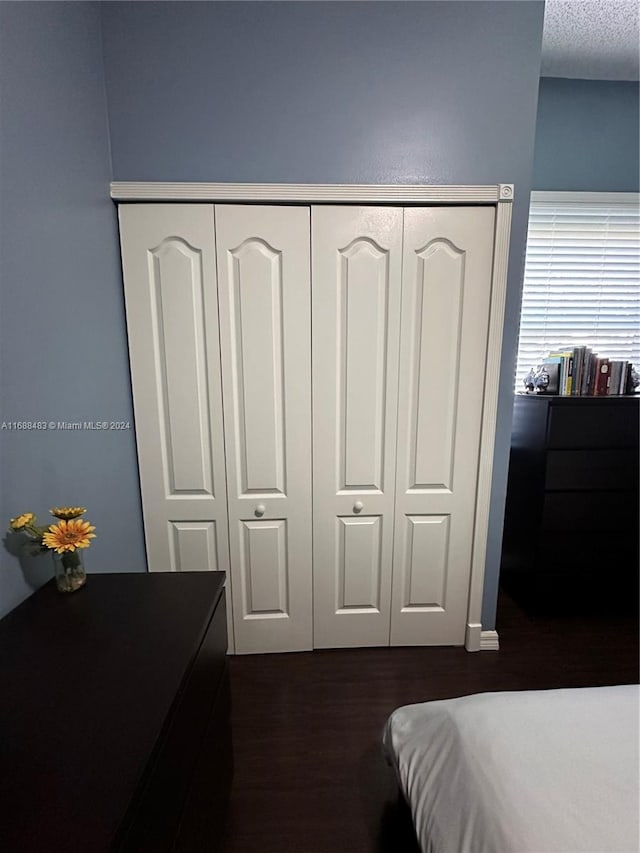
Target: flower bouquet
65	539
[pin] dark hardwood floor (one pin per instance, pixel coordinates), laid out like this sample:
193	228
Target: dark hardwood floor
310	776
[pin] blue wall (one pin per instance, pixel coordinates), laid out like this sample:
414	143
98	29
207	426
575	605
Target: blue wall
587	136
384	92
335	92
266	92
62	335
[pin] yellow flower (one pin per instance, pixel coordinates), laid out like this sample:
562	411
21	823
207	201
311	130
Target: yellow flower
22	520
69	535
67	511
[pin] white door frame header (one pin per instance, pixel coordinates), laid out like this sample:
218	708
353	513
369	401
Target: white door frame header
499	194
311	193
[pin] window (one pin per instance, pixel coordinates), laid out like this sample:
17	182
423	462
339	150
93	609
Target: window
582	277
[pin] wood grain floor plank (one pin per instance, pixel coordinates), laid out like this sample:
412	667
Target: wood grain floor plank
310	776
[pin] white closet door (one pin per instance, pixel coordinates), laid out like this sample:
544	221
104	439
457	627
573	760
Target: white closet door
168	256
265	322
446	288
357	265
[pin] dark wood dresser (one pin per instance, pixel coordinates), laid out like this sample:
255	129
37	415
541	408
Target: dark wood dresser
115	716
571	516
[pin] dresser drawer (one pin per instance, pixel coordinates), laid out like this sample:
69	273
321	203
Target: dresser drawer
155	818
601	425
204	814
592	469
610	554
590	511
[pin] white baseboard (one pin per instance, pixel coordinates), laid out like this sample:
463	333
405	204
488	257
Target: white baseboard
489	641
477	640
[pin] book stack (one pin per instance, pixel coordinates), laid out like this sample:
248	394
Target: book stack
582	373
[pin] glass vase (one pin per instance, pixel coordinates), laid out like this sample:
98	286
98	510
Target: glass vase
70	573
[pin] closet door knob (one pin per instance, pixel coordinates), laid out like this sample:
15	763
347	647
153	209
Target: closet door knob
260	510
358	506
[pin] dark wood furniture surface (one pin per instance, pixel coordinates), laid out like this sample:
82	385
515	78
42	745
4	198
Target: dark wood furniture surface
571	516
114	716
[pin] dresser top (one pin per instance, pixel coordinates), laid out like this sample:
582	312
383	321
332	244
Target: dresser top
88	680
584	400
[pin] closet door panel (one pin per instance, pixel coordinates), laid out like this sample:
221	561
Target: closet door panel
263	564
194	546
264	293
255	291
359	559
437	316
168	256
356	274
426	543
446	290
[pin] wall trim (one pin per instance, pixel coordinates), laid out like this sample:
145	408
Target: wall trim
477	640
489	641
584	198
310	193
489	418
500	195
472	637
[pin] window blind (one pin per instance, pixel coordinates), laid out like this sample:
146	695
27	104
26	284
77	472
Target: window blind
582	277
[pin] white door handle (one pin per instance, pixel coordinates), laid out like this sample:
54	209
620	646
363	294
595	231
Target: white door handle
260	510
358	506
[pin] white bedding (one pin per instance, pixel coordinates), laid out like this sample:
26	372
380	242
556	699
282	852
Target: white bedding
535	771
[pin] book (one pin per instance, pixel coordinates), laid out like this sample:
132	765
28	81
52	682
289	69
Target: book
616	369
601	384
622	381
578	366
552	364
585	370
623	377
562	358
583	366
568	382
614	375
591	379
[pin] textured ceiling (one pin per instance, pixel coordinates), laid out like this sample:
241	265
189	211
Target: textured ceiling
591	39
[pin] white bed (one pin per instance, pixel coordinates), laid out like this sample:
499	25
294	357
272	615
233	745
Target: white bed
532	772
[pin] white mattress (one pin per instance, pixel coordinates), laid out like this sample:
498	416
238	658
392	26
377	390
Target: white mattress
536	771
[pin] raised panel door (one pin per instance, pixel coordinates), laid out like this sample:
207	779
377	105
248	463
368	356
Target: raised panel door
356	274
265	327
446	289
168	256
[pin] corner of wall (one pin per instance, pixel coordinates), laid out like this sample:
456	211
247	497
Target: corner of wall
107	113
